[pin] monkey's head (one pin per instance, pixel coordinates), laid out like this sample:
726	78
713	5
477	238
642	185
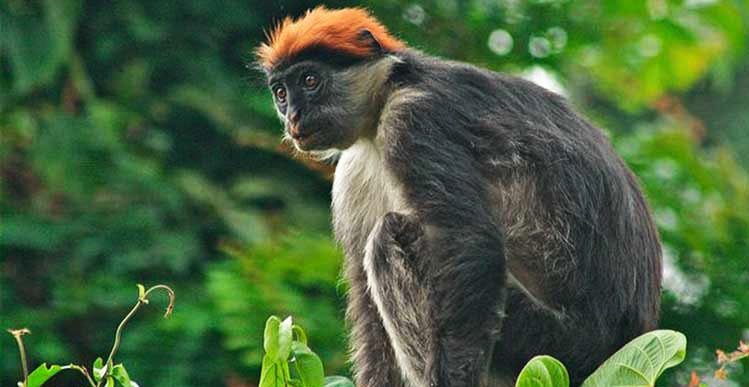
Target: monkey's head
326	71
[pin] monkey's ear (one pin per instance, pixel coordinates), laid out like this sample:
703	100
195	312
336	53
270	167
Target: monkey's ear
366	36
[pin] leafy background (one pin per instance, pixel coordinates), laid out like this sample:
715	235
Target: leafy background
135	146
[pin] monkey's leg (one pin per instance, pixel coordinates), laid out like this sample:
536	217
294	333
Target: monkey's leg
398	292
442	334
372	355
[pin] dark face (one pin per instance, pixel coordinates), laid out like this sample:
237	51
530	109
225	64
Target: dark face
323	106
308	100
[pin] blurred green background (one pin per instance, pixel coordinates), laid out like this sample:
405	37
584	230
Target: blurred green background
137	147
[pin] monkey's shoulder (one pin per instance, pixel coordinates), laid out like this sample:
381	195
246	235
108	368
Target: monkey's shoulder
469	104
454	81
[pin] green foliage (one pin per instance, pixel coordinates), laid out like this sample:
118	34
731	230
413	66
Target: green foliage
543	371
289	361
639	363
134	148
124	160
38	46
40	375
106	373
308	365
118	377
274	276
701	205
632	52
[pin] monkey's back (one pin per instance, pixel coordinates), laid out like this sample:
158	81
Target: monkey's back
578	234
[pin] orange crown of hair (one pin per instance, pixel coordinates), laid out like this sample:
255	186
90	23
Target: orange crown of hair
334	29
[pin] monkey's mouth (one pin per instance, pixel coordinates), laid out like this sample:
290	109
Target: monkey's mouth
304	138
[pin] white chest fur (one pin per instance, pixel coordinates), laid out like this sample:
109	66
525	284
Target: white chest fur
363	191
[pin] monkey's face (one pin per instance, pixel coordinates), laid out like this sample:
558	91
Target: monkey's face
322	106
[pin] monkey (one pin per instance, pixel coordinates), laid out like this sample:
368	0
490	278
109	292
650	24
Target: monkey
483	220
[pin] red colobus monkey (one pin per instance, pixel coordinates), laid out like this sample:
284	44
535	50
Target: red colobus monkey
484	221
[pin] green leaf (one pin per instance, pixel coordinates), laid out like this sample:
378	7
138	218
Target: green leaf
543	371
338	381
270	338
641	361
120	375
38	45
272	374
98	369
300	335
284	339
308	365
41	374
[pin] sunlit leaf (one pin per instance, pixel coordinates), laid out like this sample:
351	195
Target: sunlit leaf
270	339
543	371
308	365
641	361
272	374
284	338
41	374
98	369
120	375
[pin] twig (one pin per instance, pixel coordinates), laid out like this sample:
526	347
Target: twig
83	371
142	299
17	333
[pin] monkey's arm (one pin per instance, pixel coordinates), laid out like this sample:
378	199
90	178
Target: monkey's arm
447	286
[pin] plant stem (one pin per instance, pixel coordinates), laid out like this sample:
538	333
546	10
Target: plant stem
142	299
83	371
17	333
118	339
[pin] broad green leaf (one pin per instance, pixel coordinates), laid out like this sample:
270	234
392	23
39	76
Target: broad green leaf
308	365
272	374
641	361
543	371
284	339
270	338
338	381
41	374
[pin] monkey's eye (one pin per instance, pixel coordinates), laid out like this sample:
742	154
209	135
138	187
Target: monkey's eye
280	93
310	80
